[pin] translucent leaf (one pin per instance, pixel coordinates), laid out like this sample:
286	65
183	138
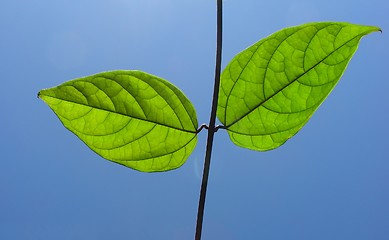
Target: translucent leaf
129	117
270	90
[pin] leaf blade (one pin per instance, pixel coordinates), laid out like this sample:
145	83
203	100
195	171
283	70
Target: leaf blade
270	90
128	117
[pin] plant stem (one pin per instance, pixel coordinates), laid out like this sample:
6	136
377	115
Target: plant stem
211	128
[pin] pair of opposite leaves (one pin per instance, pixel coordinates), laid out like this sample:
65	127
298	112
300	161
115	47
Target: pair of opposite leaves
267	93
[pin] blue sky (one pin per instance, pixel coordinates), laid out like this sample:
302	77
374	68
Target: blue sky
328	182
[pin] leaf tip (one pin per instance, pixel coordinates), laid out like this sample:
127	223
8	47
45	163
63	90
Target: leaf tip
40	94
377	29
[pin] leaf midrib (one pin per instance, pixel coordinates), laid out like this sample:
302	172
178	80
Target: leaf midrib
113	112
291	82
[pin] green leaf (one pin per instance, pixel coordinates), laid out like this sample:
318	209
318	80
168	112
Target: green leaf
270	90
129	117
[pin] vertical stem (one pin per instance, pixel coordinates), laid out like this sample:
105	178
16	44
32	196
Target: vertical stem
211	129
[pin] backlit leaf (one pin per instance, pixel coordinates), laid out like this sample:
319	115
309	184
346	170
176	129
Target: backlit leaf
129	117
270	90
